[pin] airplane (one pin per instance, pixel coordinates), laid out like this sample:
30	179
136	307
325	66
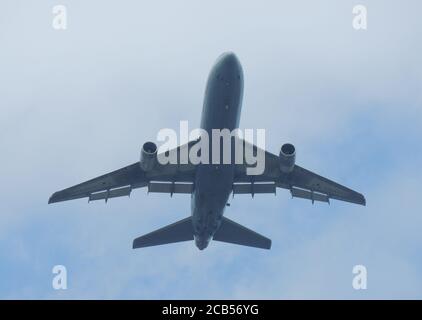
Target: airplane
211	185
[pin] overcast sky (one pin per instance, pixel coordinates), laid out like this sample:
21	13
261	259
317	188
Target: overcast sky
81	102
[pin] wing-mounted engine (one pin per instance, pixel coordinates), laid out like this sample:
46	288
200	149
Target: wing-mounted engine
287	157
148	156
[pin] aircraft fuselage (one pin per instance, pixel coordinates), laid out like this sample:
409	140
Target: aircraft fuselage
213	182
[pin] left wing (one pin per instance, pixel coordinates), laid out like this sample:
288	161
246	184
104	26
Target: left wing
169	178
107	185
301	182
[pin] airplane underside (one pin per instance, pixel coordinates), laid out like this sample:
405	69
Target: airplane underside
210	185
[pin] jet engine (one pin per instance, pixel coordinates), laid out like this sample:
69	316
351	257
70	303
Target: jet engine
148	156
287	157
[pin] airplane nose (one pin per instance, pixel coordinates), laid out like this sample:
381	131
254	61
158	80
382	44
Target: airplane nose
229	60
228	67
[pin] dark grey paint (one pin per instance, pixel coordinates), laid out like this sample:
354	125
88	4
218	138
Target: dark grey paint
213	183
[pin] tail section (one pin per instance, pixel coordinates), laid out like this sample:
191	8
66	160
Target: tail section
179	231
233	232
182	230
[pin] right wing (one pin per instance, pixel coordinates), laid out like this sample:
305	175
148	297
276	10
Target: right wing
121	182
309	183
301	182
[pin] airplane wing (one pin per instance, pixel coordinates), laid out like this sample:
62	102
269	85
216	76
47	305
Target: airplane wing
301	182
169	178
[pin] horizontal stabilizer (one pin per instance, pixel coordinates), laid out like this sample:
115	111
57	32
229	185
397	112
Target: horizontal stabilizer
233	232
176	232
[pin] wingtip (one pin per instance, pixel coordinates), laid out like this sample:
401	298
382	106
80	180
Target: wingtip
136	244
53	198
362	200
